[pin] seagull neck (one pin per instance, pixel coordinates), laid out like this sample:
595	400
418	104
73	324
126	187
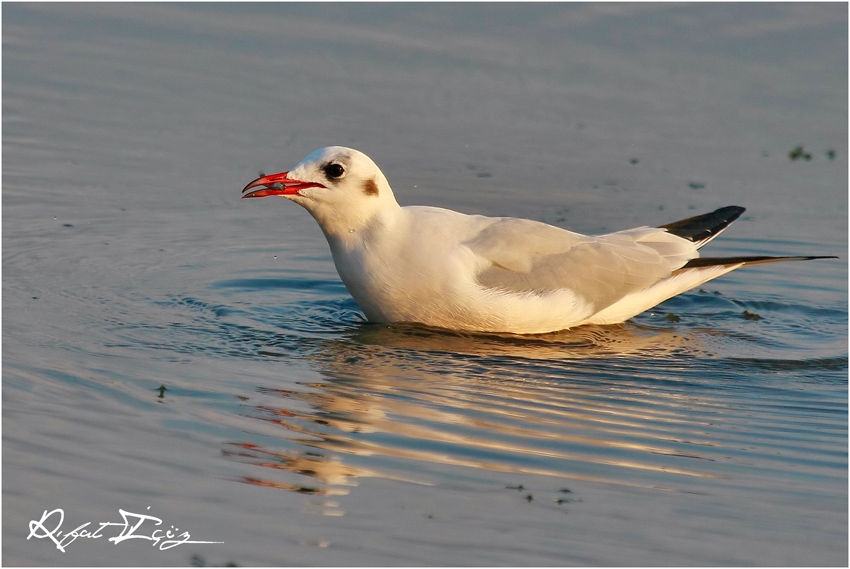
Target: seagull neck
351	230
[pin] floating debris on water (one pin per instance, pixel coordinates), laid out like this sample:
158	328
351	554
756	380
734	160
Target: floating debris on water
751	315
672	317
799	152
199	561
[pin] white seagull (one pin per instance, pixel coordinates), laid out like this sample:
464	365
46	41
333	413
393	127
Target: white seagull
446	269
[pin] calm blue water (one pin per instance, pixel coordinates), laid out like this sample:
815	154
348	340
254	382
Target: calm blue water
172	351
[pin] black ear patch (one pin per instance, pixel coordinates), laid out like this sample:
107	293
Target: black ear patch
370	188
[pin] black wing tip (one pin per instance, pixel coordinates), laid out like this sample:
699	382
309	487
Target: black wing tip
703	228
750	260
729	212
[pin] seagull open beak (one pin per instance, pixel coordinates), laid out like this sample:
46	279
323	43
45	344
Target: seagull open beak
277	185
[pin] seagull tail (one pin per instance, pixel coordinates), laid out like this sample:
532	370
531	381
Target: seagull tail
694	273
701	229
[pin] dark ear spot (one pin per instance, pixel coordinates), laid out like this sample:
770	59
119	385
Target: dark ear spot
370	188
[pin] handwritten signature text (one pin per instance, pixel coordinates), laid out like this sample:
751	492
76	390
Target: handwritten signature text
133	526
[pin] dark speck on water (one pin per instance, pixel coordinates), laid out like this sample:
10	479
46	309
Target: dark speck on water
799	152
200	561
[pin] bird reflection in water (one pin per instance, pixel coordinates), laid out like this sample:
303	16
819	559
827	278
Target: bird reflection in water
404	402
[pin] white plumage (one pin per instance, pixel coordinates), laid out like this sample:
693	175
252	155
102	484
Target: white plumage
446	269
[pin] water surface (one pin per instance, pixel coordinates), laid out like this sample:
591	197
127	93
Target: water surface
167	346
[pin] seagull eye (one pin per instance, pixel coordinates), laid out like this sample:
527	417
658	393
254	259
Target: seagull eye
334	171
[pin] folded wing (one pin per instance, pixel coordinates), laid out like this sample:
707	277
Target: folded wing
528	257
617	275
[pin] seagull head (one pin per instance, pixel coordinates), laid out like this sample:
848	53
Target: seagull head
341	187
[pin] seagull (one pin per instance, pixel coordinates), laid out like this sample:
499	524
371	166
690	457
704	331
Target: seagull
446	269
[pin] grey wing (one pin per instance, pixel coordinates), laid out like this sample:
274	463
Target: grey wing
523	256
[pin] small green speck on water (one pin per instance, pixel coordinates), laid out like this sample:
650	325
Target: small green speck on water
799	152
672	317
751	315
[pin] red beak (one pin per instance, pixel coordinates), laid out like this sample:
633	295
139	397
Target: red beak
277	185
